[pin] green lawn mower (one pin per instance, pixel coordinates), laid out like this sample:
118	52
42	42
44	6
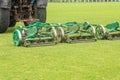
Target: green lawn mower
36	34
110	31
72	32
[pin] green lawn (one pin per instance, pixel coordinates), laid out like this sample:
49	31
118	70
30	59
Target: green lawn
82	61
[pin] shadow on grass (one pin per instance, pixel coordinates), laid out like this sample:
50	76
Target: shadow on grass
11	29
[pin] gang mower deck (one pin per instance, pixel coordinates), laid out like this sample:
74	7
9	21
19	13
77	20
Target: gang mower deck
110	31
43	34
73	32
36	34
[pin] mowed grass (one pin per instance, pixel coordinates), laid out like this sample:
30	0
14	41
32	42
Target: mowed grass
82	61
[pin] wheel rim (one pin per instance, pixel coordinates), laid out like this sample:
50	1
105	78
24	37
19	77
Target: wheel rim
54	33
92	30
101	31
17	37
61	34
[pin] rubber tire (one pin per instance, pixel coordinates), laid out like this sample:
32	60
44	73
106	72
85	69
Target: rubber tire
4	19
41	14
94	31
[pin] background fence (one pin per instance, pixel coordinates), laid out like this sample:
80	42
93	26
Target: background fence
84	0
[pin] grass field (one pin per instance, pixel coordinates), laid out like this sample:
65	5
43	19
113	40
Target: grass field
82	61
